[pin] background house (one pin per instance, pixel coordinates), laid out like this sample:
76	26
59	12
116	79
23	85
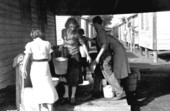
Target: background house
149	31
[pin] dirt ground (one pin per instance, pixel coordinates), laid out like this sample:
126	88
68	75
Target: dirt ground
153	89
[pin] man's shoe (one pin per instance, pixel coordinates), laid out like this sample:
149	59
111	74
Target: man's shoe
119	97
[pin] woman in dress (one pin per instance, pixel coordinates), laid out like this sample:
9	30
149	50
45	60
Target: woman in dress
113	58
40	52
72	41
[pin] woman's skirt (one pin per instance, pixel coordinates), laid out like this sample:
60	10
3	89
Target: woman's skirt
74	72
43	86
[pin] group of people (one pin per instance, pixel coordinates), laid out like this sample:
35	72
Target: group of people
111	58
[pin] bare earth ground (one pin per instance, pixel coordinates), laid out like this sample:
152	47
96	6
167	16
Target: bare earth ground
153	88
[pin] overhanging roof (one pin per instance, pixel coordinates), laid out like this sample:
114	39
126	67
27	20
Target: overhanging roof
102	7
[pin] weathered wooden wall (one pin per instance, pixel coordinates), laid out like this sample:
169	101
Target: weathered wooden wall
146	30
51	29
155	32
17	18
163	30
121	32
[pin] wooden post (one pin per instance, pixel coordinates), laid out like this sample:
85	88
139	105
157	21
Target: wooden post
18	89
155	38
137	48
140	51
155	56
146	52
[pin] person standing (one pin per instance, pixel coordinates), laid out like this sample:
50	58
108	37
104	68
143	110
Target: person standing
112	58
72	41
40	52
83	53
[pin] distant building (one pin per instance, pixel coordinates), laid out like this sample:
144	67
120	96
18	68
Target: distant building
147	30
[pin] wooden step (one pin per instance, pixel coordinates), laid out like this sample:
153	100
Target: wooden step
102	104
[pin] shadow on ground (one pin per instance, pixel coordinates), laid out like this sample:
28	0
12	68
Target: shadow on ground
7	98
164	56
153	85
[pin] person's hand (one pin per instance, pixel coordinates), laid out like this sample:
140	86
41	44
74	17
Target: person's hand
93	66
96	60
23	72
61	47
88	59
93	41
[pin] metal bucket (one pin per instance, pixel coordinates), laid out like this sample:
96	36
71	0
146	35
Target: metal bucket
60	65
132	80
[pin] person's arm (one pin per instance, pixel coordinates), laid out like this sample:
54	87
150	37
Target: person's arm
89	39
103	39
49	57
50	51
96	61
63	35
85	49
26	60
100	53
24	66
87	53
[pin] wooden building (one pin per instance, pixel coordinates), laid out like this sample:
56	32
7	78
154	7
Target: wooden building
154	31
17	18
150	31
128	31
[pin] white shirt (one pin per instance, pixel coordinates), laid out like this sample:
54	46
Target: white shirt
39	48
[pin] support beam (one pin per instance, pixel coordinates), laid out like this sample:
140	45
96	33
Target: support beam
155	56
146	52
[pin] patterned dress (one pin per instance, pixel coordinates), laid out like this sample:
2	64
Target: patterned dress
40	75
74	73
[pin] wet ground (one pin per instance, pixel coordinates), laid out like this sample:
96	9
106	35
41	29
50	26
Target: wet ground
153	88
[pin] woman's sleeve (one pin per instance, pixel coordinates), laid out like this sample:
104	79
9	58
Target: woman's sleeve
80	39
50	48
28	49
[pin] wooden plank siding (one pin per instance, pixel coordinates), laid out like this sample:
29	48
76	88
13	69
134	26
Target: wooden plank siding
136	29
163	30
155	33
121	33
51	29
146	30
14	34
